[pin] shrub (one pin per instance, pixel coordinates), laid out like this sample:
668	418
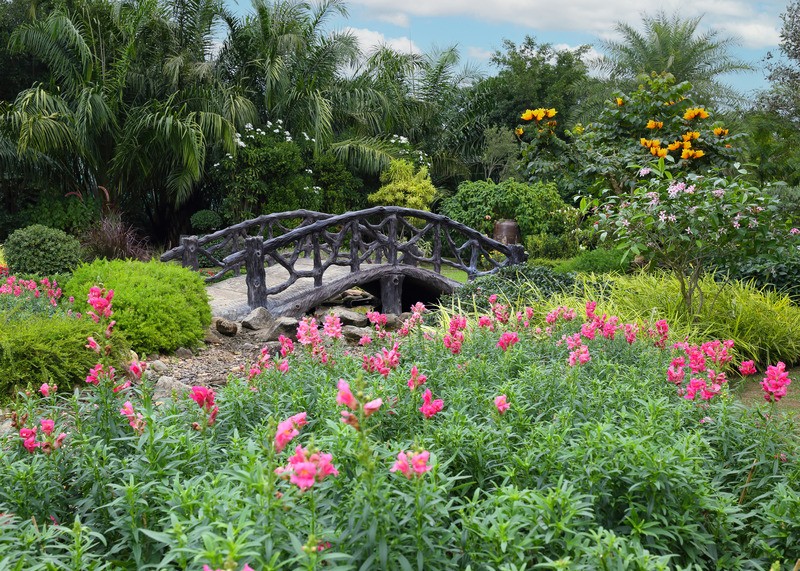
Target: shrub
41	250
599	261
43	349
544	245
405	186
113	239
537	208
205	221
158	307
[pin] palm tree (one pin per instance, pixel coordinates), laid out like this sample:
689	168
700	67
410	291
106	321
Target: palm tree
136	108
673	44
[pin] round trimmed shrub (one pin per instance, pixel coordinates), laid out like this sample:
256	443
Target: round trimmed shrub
205	221
158	307
42	251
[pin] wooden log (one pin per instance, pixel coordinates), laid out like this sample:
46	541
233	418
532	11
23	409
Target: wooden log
317	261
392	294
189	255
437	248
355	246
256	275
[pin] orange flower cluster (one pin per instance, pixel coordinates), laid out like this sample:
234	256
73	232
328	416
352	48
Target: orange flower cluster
720	132
655	147
620	101
695	112
651	124
538	114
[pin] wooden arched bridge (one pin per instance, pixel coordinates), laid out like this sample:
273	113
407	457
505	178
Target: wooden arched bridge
296	260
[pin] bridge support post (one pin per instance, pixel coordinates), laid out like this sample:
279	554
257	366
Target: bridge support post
392	294
189	256
256	275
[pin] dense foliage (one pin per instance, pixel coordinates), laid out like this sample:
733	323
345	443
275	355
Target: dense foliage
40	250
499	442
159	307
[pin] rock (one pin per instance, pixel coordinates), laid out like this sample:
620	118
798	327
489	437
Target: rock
183	353
392	321
354	334
6	427
403	316
165	386
284	326
347	316
158	366
212	338
227	327
259	318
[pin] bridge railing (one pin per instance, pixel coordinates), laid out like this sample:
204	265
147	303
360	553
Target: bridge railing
213	248
381	235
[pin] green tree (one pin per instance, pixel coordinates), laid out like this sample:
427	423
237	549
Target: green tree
402	186
673	44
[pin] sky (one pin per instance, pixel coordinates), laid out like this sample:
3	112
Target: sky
478	27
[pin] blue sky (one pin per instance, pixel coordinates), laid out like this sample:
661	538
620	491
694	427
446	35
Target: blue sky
478	27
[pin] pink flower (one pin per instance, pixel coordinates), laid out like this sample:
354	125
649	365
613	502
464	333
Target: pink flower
486	321
493	298
283	367
372	406
92	345
45	389
430	407
401	465
286	432
747	368
308	332
590	308
365	340
706	420
59	440
416	379
300	419
775	382
93	378
501	403
137	368
507	339
26	433
345	396
203	396
135	420
324	465
48	426
579	356
30	444
419	462
287	346
332	327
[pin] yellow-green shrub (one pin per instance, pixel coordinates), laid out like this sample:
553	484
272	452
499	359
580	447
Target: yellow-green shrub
158	307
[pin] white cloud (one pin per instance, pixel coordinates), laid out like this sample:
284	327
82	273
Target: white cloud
475	52
370	39
396	18
756	23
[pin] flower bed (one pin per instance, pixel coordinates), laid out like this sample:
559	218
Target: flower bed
504	440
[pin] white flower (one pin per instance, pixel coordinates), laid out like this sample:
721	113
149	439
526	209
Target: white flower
269	124
216	165
279	121
309	171
276	130
248	126
241	144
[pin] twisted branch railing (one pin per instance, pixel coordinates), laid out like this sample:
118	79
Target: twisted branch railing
383	235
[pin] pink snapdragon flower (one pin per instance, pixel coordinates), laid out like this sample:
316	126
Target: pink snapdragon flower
775	382
48	425
372	407
46	389
345	395
332	327
414	465
747	368
416	379
430	407
502	404
508	339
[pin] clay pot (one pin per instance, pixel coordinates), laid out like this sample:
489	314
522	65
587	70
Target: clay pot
507	231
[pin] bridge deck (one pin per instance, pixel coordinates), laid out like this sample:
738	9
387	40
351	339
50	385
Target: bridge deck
228	298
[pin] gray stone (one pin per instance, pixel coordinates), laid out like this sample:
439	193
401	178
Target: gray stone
259	318
284	326
158	366
6	427
183	353
354	334
166	386
227	327
212	338
392	321
347	316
